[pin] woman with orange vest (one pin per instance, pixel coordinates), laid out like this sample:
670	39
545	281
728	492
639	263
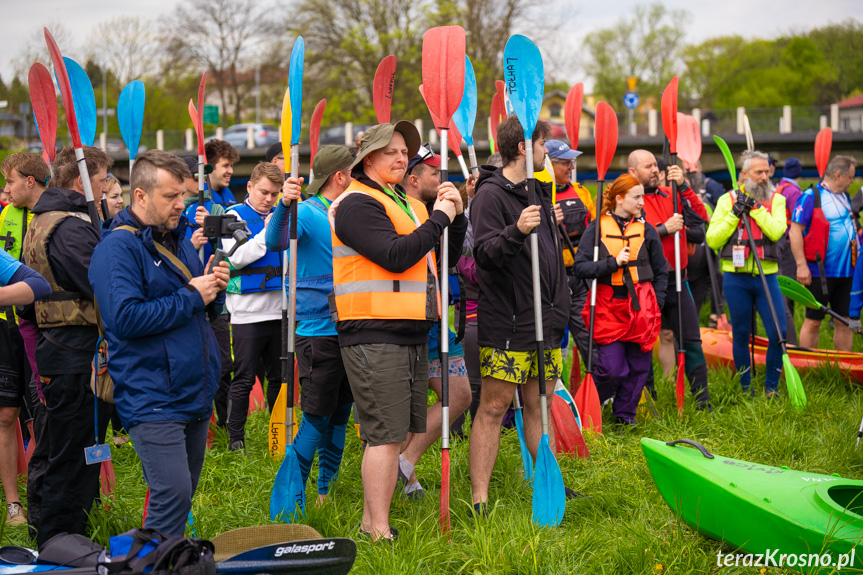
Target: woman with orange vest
630	292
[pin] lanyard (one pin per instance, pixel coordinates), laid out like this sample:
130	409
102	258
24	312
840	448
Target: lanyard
402	203
323	200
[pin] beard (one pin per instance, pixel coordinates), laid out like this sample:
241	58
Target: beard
760	192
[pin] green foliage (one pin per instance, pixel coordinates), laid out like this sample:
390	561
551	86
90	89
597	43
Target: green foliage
842	45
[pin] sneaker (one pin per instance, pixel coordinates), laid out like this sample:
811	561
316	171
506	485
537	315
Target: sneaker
573	494
15	514
238	445
479	510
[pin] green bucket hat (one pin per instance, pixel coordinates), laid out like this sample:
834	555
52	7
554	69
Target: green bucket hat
377	137
329	160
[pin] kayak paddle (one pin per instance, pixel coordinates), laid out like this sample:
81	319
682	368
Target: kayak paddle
84	98
572	118
465	116
130	113
587	398
197	115
823	143
669	126
497	115
792	378
382	89
44	102
289	490
526	459
799	293
315	134
453	136
443	86
523	70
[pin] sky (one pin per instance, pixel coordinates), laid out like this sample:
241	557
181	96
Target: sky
749	18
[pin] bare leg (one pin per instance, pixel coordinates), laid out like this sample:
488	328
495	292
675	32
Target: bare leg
379	481
9	453
843	337
667	355
495	397
809	333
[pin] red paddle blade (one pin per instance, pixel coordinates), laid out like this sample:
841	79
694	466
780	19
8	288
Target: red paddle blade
567	436
65	87
315	129
44	102
587	402
382	88
572	113
443	71
200	126
199	131
823	144
499	86
453	136
669	114
680	388
574	374
444	491
498	113
108	478
688	139
606	141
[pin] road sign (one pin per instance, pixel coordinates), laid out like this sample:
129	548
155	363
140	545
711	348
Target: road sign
630	100
631	83
211	114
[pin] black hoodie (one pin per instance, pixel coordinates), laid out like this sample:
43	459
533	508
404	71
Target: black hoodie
505	313
69	250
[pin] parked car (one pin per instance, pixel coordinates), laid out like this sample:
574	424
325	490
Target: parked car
237	135
336	134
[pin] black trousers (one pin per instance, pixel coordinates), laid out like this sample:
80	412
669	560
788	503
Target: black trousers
250	342
222	331
38	464
70	486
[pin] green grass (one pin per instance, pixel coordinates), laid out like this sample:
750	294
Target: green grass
625	527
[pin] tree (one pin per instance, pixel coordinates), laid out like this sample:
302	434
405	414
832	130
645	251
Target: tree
842	45
646	46
34	49
227	37
126	45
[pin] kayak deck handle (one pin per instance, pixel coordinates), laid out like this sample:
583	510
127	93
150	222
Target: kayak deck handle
694	444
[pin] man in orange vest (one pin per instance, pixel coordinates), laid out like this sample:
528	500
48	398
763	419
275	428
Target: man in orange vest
385	300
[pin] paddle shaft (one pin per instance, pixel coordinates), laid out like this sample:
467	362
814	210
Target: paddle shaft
292	301
754	249
596	239
537	286
444	298
201	183
678	280
714	281
471	154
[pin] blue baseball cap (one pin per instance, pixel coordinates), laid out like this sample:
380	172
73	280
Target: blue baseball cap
557	150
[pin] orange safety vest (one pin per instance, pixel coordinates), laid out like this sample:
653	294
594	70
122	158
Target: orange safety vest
613	241
365	290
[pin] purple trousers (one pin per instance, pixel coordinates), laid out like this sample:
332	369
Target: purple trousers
621	371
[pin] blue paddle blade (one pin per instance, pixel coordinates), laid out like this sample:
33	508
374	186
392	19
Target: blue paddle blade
84	101
549	496
295	85
130	114
525	80
465	116
526	459
288	498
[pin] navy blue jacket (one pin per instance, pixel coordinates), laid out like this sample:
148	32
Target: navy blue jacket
162	354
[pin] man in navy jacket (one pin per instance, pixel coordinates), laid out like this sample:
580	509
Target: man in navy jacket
163	356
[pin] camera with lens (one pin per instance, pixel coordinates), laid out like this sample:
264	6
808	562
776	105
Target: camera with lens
226	226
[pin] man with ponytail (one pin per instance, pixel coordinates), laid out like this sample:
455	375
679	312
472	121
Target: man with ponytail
630	292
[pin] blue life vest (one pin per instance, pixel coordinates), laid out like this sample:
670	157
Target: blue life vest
264	274
312	291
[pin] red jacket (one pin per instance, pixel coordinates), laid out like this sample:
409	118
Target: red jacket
659	206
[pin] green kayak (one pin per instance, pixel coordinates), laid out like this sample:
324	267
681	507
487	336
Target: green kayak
781	517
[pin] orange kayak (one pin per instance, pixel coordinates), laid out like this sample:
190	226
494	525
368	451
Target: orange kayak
717	351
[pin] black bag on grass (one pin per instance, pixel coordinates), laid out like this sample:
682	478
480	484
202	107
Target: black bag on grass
147	551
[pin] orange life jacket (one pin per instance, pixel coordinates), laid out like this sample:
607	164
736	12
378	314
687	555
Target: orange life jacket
613	241
365	290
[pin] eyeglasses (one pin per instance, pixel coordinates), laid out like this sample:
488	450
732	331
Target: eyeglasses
568	163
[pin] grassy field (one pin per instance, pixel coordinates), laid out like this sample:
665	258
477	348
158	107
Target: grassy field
625	526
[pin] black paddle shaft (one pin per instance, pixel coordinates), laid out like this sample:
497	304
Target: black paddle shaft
754	249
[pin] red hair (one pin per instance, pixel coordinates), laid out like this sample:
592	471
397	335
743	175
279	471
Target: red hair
619	187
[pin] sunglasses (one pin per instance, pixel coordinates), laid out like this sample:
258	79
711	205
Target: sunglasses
426	152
